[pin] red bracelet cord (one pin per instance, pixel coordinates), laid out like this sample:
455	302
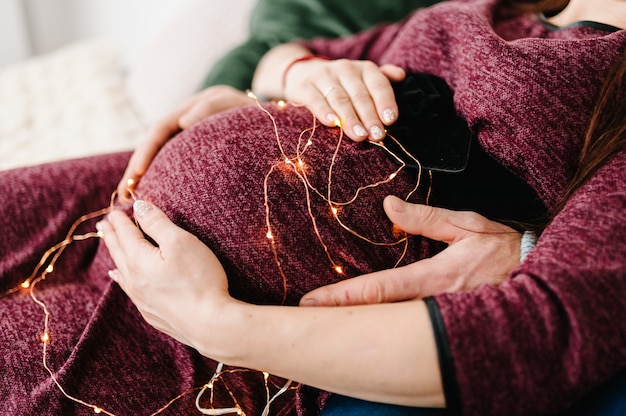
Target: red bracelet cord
295	61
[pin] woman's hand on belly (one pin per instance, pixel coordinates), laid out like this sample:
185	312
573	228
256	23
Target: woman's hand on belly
356	95
180	288
479	252
171	282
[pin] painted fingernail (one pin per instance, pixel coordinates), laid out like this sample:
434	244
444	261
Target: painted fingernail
141	208
333	119
113	275
377	133
389	116
99	229
359	130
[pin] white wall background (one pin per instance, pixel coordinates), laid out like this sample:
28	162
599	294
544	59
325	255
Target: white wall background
165	47
14	38
40	26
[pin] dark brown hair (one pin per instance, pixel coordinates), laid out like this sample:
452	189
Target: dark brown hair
548	7
606	135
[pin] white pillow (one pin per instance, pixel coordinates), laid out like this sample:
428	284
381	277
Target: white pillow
69	103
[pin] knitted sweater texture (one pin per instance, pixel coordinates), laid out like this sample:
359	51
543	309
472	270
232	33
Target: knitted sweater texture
527	91
548	335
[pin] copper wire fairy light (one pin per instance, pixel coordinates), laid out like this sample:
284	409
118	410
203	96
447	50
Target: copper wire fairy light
297	164
334	206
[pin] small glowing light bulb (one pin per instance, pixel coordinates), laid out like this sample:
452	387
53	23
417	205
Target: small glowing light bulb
393	175
309	143
96	409
45	337
338	269
300	162
100	234
269	235
25	284
250	94
130	182
334	210
337	122
287	161
50	268
266	375
281	104
397	231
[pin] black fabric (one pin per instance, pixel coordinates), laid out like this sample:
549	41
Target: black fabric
464	176
428	127
446	362
583	23
488	188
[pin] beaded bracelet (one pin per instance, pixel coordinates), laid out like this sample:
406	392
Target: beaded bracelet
283	83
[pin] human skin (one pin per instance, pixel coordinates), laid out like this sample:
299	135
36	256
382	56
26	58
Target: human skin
359	93
324	335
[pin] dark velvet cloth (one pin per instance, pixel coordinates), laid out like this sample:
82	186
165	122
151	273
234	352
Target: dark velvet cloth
209	180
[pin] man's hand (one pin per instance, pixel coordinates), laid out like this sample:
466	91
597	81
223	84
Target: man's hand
204	104
479	252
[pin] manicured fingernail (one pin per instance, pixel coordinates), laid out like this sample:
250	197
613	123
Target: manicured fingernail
359	130
113	275
99	229
141	208
333	119
377	133
389	116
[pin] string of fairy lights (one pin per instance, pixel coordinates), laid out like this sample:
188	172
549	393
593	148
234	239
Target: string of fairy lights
297	164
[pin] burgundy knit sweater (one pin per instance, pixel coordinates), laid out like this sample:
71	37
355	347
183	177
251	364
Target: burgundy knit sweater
533	345
557	328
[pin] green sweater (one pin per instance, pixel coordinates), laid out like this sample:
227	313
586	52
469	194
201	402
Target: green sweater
278	21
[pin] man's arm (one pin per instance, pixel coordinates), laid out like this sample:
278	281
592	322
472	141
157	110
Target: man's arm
274	22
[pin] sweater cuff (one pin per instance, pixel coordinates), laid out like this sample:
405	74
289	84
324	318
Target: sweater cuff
529	241
446	362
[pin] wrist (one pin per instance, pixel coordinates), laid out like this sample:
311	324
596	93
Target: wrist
292	63
218	330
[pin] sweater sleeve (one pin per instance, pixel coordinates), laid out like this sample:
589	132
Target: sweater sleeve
278	21
369	45
556	329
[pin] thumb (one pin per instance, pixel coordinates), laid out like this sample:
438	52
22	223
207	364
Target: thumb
188	119
153	222
428	221
393	72
385	286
